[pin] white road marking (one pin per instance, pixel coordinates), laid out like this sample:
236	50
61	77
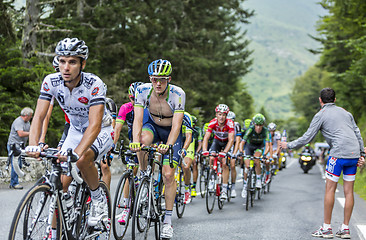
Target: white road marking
362	229
290	162
341	201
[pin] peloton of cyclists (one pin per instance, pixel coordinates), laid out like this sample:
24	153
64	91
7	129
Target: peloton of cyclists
222	143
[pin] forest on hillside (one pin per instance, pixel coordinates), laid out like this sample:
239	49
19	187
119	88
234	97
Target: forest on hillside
209	51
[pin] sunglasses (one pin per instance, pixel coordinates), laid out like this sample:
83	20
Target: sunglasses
159	79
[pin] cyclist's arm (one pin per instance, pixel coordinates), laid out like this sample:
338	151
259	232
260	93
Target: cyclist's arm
91	133
267	149
176	127
188	140
37	122
205	141
230	142
199	147
278	147
241	146
117	131
45	124
237	143
137	123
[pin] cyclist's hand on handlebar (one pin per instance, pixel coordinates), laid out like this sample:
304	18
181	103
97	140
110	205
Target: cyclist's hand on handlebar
33	151
163	148
135	146
205	153
222	154
183	152
62	156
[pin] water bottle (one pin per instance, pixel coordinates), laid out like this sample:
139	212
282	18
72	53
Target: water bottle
69	204
284	136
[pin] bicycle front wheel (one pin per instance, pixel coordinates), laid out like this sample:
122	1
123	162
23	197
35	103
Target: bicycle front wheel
203	181
31	217
142	210
211	191
123	205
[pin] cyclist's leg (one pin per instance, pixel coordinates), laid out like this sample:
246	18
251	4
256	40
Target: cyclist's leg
195	172
106	172
148	136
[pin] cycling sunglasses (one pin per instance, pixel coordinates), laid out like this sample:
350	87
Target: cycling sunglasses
154	79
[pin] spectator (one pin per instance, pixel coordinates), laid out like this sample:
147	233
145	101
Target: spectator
18	135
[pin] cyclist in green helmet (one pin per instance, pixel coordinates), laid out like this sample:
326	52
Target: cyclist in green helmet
257	137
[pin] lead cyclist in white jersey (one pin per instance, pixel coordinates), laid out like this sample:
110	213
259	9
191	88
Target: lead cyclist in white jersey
82	98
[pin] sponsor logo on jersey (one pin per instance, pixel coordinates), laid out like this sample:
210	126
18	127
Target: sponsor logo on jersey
88	83
56	81
95	91
45	87
83	100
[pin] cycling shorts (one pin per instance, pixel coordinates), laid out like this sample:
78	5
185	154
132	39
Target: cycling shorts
217	146
250	149
102	144
335	166
190	150
161	134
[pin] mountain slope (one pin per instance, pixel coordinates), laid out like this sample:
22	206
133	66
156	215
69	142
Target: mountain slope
279	34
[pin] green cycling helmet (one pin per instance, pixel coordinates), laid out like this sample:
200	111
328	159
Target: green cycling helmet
247	123
259	119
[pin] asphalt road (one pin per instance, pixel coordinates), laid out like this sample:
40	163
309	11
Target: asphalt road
292	210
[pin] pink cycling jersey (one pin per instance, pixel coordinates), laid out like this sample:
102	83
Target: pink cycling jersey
125	114
221	134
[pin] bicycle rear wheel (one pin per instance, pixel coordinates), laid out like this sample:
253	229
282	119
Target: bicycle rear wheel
179	197
123	202
211	191
30	219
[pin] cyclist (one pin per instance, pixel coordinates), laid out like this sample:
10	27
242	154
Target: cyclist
197	139
187	153
162	104
125	115
276	140
222	143
246	124
234	150
81	96
256	137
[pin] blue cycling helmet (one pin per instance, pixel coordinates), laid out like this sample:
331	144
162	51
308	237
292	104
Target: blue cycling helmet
160	67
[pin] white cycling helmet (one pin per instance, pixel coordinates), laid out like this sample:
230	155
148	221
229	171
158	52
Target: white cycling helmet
55	64
272	126
231	115
72	47
222	108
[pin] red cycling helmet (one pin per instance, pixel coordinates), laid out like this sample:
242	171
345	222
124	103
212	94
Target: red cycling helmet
222	108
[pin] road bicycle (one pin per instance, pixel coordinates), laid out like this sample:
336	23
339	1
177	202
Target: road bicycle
148	209
44	207
124	198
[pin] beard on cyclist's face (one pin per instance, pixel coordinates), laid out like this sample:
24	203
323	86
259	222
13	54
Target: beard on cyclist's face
221	117
70	68
258	128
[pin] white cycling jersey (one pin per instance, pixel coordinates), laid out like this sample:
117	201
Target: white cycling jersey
276	137
89	92
176	97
